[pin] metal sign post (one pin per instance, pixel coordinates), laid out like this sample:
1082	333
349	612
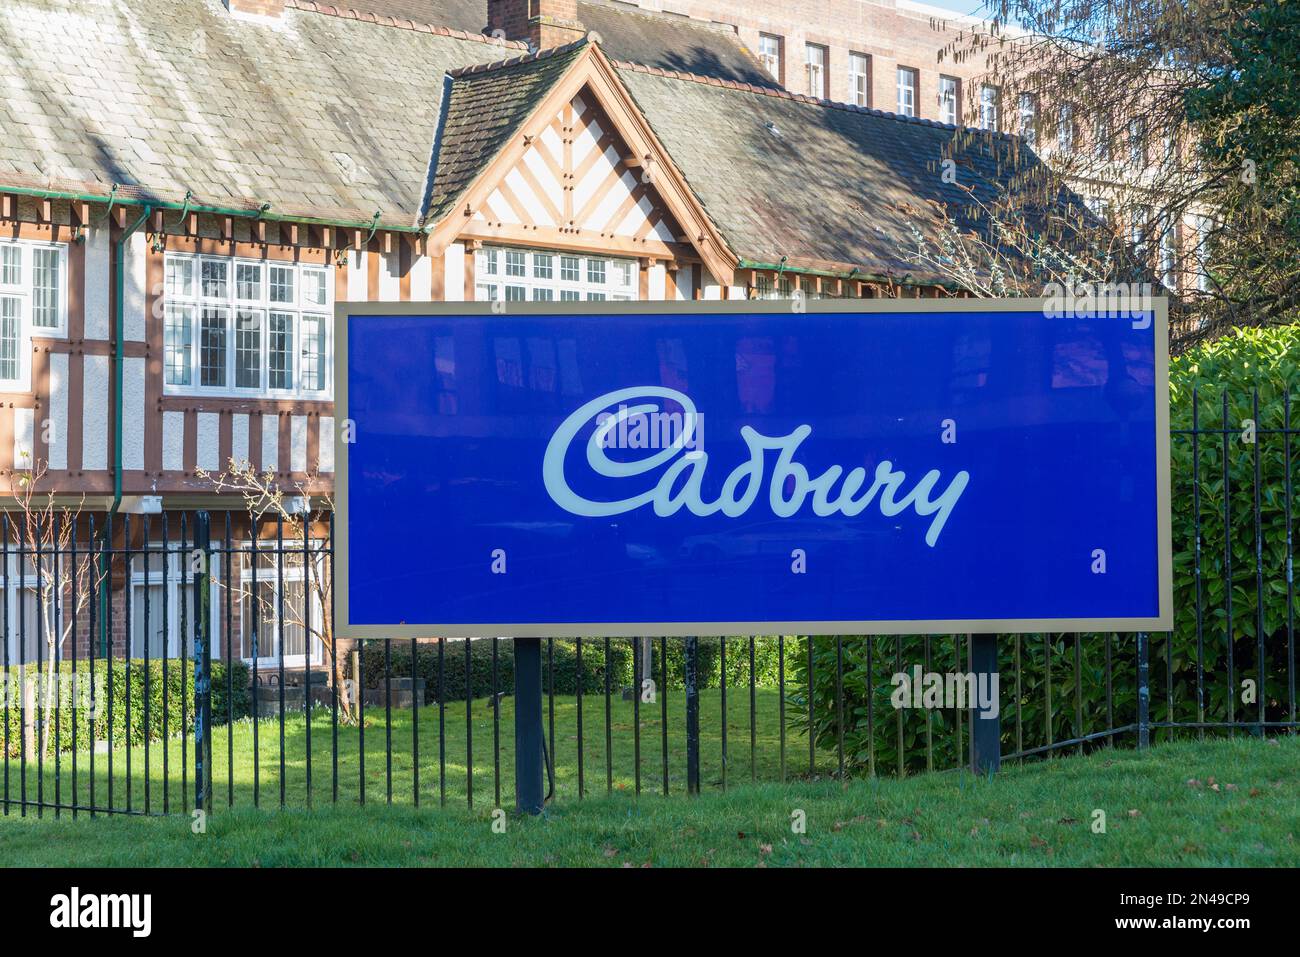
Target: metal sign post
986	729
528	726
692	715
202	662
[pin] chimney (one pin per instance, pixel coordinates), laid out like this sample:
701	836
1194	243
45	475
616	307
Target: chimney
256	9
542	23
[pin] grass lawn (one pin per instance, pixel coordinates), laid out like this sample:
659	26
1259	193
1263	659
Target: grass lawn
1217	802
256	755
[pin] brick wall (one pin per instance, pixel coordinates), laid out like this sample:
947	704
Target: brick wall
891	36
257	8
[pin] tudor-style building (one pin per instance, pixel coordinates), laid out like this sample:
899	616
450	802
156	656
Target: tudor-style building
188	186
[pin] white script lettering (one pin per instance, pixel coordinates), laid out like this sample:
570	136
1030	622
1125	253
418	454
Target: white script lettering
681	484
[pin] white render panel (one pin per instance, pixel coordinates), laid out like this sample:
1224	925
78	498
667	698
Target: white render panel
24	439
133	413
586	141
390	276
239	438
657	281
662	232
532	204
270	443
421	278
298	443
327	443
551	140
685	276
98	283
358	275
173	441
635	218
94	414
620	190
541	172
501	208
595	177
58	443
454	274
135	301
208	441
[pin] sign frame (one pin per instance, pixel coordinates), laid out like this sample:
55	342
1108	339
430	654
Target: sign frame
344	627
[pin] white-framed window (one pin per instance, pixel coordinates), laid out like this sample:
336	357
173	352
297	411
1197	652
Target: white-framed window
989	107
284	606
35	593
1138	228
1202	226
547	275
1137	142
906	80
1065	128
1028	109
1169	255
1100	207
246	327
815	63
766	287
1101	139
33	303
859	79
949	97
162	604
769	54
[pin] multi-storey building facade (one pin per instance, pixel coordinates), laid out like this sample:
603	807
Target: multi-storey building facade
187	187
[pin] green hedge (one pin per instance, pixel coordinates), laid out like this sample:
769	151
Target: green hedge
565	665
1266	361
177	690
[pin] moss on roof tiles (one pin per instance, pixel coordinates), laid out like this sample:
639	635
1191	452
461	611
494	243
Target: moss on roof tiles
788	176
667	41
483	111
319	115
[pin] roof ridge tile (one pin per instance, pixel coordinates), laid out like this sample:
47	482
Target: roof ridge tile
802	98
348	13
531	57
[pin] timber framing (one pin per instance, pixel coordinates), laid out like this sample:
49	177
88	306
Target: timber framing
593	73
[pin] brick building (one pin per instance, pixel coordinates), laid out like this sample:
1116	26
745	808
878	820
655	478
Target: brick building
188	186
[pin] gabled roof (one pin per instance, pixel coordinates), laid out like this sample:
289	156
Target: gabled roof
823	186
321	116
671	42
664	40
482	108
516	99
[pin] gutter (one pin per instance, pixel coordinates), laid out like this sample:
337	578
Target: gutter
189	206
853	273
119	346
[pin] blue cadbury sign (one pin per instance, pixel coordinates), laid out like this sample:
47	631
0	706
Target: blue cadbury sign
751	467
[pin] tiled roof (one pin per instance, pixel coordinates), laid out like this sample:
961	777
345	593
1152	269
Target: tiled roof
481	111
322	116
824	184
672	42
627	32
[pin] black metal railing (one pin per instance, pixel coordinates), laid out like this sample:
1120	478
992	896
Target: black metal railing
105	710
